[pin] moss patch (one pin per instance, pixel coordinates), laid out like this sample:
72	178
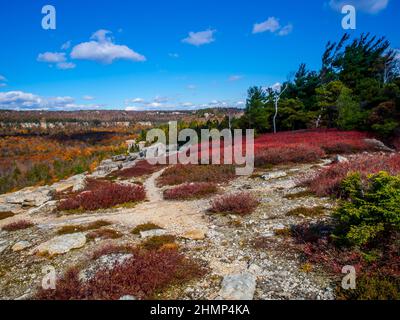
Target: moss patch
145	227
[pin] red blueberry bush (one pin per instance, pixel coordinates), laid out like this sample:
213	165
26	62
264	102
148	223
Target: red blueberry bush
142	276
190	191
180	174
239	203
327	181
307	146
102	195
141	168
18	225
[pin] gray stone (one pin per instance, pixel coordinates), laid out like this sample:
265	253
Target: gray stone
47	207
238	287
340	159
152	233
378	145
31	197
274	175
79	183
21	245
9	207
119	158
61	244
128	298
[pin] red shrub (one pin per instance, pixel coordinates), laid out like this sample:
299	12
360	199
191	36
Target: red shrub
18	225
180	174
141	168
146	273
327	181
102	195
190	191
239	203
307	145
288	154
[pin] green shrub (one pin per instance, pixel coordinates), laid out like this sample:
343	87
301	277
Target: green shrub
371	207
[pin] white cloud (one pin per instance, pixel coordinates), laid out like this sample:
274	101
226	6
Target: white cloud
102	49
200	38
66	45
19	100
173	55
235	78
368	6
271	24
66	65
51	57
88	98
191	87
286	30
276	87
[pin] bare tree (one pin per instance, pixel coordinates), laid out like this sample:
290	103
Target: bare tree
277	97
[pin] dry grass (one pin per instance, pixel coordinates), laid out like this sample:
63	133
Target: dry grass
82	228
104	234
157	242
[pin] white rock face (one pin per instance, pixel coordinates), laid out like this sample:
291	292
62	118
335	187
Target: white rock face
44	208
80	183
31	197
61	244
238	287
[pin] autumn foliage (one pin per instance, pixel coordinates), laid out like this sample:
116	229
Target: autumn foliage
102	195
190	191
239	203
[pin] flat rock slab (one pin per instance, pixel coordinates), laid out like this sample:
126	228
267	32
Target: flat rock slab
61	244
274	175
238	287
194	235
153	233
21	245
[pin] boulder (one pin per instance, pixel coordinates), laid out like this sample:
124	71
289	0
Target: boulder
79	183
238	287
119	158
20	245
61	244
31	197
194	235
47	207
378	145
9	207
340	159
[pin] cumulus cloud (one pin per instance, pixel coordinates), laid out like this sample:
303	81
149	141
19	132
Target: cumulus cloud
200	38
88	98
102	49
272	25
368	6
19	100
57	58
52	57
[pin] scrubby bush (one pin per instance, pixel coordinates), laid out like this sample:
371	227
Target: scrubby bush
68	229
18	225
157	242
288	154
180	174
327	181
371	209
140	169
143	276
239	203
145	227
102	196
190	191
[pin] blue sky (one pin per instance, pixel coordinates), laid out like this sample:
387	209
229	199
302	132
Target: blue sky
177	54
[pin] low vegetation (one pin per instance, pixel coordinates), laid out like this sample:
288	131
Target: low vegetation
180	174
104	233
143	276
327	181
18	225
83	228
102	195
239	203
306	212
189	191
141	168
145	227
157	242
